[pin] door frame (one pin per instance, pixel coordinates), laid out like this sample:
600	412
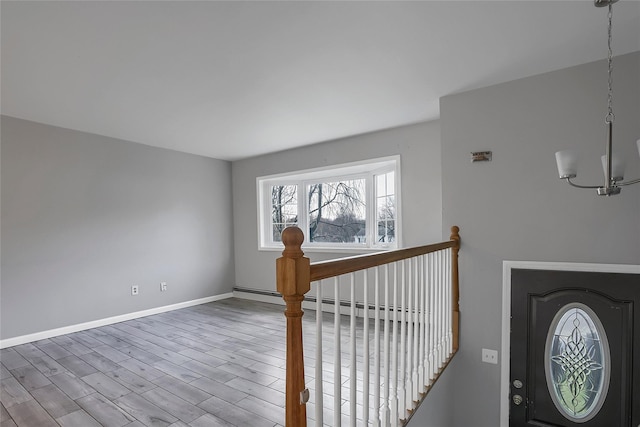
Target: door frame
507	266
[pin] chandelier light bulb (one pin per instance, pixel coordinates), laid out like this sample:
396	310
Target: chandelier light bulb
617	167
567	161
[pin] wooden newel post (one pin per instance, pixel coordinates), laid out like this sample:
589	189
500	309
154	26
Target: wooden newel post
292	280
455	283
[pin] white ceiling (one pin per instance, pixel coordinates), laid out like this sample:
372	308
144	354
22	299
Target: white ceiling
236	79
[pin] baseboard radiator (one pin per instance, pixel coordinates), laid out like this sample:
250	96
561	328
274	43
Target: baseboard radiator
372	366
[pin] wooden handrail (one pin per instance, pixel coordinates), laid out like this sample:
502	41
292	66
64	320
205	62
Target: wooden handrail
337	267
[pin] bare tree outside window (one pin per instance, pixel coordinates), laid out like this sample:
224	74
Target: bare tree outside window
337	211
284	209
347	207
386	219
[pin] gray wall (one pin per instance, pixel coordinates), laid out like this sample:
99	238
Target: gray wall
515	208
419	148
84	217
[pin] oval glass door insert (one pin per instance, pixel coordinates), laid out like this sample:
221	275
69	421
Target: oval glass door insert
577	362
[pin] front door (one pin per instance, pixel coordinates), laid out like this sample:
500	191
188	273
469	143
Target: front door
575	349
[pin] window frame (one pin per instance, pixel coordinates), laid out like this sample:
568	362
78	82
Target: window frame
367	169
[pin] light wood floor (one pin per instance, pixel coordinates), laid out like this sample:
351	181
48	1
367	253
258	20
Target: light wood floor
217	364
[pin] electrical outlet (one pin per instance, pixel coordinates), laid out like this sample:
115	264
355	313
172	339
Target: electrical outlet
490	356
163	286
134	290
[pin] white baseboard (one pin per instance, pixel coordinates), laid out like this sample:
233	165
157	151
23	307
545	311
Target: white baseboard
277	299
255	296
10	342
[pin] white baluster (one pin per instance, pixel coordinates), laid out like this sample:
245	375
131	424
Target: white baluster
438	307
402	394
416	332
353	364
445	304
376	350
445	309
427	301
408	373
319	392
386	404
432	317
425	321
409	321
450	302
395	416
442	315
337	360
365	353
422	287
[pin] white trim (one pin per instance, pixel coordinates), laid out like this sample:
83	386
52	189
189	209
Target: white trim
306	305
507	266
275	299
10	342
348	168
253	296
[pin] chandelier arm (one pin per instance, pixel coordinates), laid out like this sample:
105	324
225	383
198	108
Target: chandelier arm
622	184
580	186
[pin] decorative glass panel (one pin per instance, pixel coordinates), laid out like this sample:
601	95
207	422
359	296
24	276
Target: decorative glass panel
577	362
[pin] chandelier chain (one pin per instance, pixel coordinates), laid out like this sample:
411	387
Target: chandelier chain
610	116
613	167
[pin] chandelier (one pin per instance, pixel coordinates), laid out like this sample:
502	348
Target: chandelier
612	164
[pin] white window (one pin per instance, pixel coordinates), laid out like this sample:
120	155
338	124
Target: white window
352	206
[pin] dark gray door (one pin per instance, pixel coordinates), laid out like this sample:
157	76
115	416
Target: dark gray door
575	349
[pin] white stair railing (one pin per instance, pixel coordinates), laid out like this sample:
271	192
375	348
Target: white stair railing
401	329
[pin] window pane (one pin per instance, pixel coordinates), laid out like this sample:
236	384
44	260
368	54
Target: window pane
337	211
386	231
284	209
381	185
385	208
391	184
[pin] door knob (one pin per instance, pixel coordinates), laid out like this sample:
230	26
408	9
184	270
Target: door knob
517	399
517	383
